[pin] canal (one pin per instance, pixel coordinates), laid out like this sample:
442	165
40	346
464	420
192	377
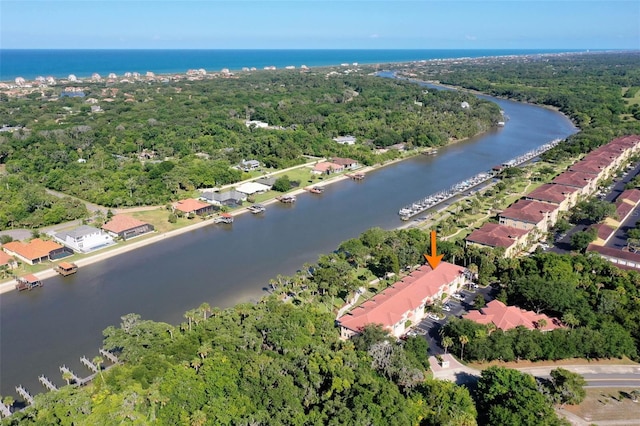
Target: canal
223	265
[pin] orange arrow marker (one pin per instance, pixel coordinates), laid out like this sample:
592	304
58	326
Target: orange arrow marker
434	259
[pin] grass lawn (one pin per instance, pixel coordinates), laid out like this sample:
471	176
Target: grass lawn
159	218
302	175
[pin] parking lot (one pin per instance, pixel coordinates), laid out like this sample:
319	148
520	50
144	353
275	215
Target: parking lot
430	328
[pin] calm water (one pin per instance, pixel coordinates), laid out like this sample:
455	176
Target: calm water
223	265
30	64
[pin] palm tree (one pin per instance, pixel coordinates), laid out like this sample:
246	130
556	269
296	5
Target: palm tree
447	342
67	376
98	361
541	323
9	401
205	308
204	350
570	319
463	341
635	395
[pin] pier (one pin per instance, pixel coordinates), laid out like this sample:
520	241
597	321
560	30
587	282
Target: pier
65	371
24	394
4	411
287	199
355	176
47	383
91	366
28	282
439	197
256	208
224	218
108	355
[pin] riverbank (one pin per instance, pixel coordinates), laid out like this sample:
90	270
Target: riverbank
144	241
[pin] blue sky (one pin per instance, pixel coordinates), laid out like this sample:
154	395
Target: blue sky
310	24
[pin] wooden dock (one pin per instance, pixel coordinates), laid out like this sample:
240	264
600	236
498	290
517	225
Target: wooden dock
24	394
28	282
287	199
47	383
356	176
66	268
224	218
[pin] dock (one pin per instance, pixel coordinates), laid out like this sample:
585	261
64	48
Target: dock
73	378
66	268
224	218
356	176
47	383
4	411
24	394
316	189
256	208
287	199
91	366
108	355
28	282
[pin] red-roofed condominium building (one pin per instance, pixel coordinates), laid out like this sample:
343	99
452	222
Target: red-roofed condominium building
529	214
507	317
563	196
196	207
404	301
125	227
493	235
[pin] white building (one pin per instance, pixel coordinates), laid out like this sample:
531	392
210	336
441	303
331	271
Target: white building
84	239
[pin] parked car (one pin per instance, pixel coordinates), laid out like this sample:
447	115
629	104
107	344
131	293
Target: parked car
458	296
433	317
446	308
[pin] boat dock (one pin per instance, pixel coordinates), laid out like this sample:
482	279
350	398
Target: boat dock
356	176
224	218
287	199
316	189
47	383
66	268
439	197
28	282
256	208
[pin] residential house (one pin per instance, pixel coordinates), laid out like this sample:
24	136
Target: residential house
529	214
250	188
347	163
345	140
7	261
623	211
125	227
493	235
248	165
563	196
327	168
35	251
600	167
231	198
630	196
404	301
84	239
196	207
507	317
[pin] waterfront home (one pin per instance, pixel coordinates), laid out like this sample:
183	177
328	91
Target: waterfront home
493	235
345	140
230	198
84	239
327	168
35	251
403	303
347	163
529	214
7	261
196	207
507	317
250	188
125	227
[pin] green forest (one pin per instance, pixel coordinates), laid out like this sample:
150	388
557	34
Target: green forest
154	143
281	361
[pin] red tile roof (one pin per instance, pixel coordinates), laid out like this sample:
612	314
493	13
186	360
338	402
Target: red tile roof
326	166
495	235
575	179
389	306
529	211
34	249
623	209
190	205
552	192
593	166
614	252
343	161
121	222
507	317
5	259
632	195
603	230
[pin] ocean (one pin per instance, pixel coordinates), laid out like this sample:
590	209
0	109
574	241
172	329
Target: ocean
30	64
